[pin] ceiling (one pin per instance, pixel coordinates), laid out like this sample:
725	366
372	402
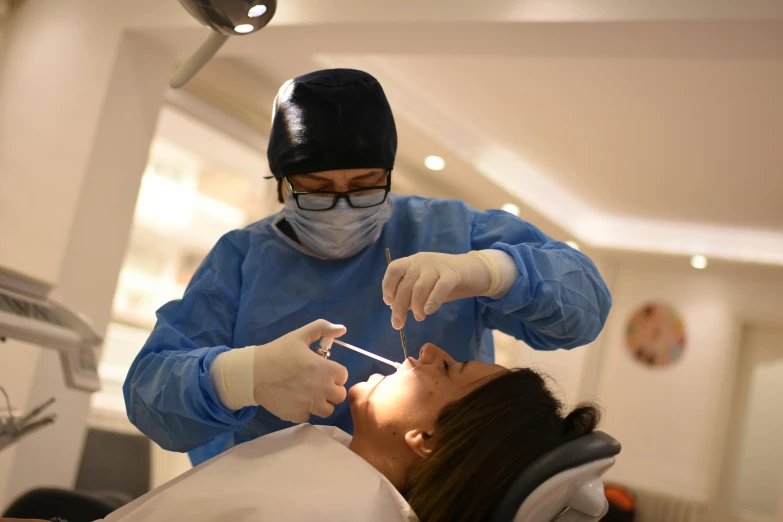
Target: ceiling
660	135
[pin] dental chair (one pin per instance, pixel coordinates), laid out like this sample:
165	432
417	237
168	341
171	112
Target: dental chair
564	485
73	506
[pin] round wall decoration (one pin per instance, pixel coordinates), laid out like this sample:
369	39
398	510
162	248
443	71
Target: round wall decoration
655	335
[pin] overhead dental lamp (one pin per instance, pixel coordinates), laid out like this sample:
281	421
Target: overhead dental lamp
224	18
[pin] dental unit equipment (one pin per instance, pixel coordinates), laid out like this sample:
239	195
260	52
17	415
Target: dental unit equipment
325	350
13	429
402	330
31	312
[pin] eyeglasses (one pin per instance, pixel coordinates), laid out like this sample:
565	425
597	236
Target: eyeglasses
319	200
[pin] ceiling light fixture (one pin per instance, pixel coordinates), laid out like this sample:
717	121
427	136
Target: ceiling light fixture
699	262
511	209
434	163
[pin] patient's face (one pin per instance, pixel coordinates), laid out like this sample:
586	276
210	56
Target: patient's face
412	397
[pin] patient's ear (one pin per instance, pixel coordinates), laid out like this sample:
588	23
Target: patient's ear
421	442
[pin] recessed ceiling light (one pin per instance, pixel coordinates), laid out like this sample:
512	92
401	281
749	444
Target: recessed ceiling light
699	262
511	209
257	11
573	244
434	163
244	28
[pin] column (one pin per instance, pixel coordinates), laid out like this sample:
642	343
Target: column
79	100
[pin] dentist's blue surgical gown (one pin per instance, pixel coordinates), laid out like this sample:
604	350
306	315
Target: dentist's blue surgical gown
257	285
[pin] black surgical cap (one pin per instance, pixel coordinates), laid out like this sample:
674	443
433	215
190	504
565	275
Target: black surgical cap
331	120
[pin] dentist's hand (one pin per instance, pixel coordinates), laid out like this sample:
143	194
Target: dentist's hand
424	281
285	376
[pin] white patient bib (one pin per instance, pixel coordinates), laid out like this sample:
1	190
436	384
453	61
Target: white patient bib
302	474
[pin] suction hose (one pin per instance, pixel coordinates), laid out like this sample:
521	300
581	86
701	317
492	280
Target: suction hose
203	54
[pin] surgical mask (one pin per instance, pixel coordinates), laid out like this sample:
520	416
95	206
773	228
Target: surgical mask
341	232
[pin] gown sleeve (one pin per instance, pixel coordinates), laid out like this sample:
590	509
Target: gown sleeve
559	300
168	393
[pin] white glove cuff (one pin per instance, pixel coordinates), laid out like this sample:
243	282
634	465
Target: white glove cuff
231	375
503	269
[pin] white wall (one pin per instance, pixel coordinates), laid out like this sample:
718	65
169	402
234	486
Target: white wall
18	361
671	421
759	479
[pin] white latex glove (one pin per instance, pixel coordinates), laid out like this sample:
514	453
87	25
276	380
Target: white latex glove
424	281
285	376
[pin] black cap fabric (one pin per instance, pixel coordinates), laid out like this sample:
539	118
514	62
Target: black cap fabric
331	120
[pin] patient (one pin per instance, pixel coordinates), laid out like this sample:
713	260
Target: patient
446	437
452	436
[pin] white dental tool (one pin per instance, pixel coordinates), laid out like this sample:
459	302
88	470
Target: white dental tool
325	350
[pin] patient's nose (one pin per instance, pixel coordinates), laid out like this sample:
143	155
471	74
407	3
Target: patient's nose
430	354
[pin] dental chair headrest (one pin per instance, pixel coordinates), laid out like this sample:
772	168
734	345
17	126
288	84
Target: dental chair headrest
566	481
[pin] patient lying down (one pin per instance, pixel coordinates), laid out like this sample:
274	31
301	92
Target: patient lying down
443	440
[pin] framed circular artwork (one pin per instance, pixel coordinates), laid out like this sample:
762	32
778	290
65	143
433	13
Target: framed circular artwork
655	335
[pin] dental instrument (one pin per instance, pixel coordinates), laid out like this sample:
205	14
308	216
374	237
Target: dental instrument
325	350
12	428
402	330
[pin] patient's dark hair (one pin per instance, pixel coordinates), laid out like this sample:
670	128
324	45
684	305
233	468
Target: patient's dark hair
484	440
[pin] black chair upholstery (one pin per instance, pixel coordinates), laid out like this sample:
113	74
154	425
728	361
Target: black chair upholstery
578	452
73	506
